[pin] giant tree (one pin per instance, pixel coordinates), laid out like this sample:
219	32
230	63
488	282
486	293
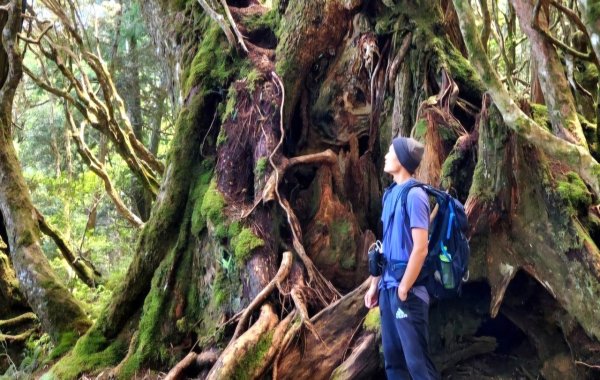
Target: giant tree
253	258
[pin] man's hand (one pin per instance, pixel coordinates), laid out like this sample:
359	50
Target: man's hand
372	297
402	293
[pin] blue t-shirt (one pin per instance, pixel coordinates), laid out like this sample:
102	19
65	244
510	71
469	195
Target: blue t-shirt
400	227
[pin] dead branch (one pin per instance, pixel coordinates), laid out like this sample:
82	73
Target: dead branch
84	270
282	273
219	19
36	41
235	29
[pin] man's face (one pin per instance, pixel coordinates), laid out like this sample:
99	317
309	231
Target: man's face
391	164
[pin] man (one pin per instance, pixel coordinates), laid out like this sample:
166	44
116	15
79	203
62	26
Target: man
403	299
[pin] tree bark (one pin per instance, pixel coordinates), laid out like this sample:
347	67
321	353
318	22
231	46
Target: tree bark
553	81
58	311
260	166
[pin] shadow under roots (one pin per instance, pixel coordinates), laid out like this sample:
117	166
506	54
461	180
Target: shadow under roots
523	341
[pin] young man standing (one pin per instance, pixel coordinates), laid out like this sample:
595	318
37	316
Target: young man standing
403	300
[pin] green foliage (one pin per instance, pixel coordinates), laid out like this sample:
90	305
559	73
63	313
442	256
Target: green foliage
574	192
244	243
34	356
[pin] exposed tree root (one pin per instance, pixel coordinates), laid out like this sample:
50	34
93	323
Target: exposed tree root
324	289
284	270
16	321
246	345
318	357
17	338
363	361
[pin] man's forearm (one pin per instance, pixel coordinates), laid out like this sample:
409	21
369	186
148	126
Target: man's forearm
413	268
375	281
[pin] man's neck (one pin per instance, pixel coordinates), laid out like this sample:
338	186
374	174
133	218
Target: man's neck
402	177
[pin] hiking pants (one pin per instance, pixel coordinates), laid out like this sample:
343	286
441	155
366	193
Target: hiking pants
405	336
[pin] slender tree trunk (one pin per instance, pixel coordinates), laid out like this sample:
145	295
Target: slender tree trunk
61	315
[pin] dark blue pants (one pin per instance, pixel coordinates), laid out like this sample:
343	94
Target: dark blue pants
405	335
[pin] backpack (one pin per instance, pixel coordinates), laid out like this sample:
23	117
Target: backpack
446	267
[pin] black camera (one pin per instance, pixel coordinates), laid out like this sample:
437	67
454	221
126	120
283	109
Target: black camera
376	259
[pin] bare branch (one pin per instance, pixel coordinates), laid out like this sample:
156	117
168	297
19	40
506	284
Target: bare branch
98	168
235	29
219	19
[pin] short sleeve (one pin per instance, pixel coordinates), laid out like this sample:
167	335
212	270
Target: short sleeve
417	204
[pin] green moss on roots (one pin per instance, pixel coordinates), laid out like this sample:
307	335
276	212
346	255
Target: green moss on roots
244	243
574	192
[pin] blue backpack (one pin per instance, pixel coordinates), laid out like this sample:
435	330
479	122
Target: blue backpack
446	267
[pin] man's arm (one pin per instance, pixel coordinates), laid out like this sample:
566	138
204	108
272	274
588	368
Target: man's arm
415	261
374	282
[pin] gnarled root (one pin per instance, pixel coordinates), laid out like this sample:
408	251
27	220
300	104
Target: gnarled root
251	343
284	270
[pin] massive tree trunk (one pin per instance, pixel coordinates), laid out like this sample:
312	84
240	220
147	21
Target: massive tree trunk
60	314
278	148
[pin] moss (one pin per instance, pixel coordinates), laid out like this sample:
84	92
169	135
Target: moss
341	243
253	358
222	137
200	188
269	20
539	113
261	166
65	342
213	63
244	243
420	129
574	192
372	320
230	109
213	204
91	353
252	79
147	346
221	289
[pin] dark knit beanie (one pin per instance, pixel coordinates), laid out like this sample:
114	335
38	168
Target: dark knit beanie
409	152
